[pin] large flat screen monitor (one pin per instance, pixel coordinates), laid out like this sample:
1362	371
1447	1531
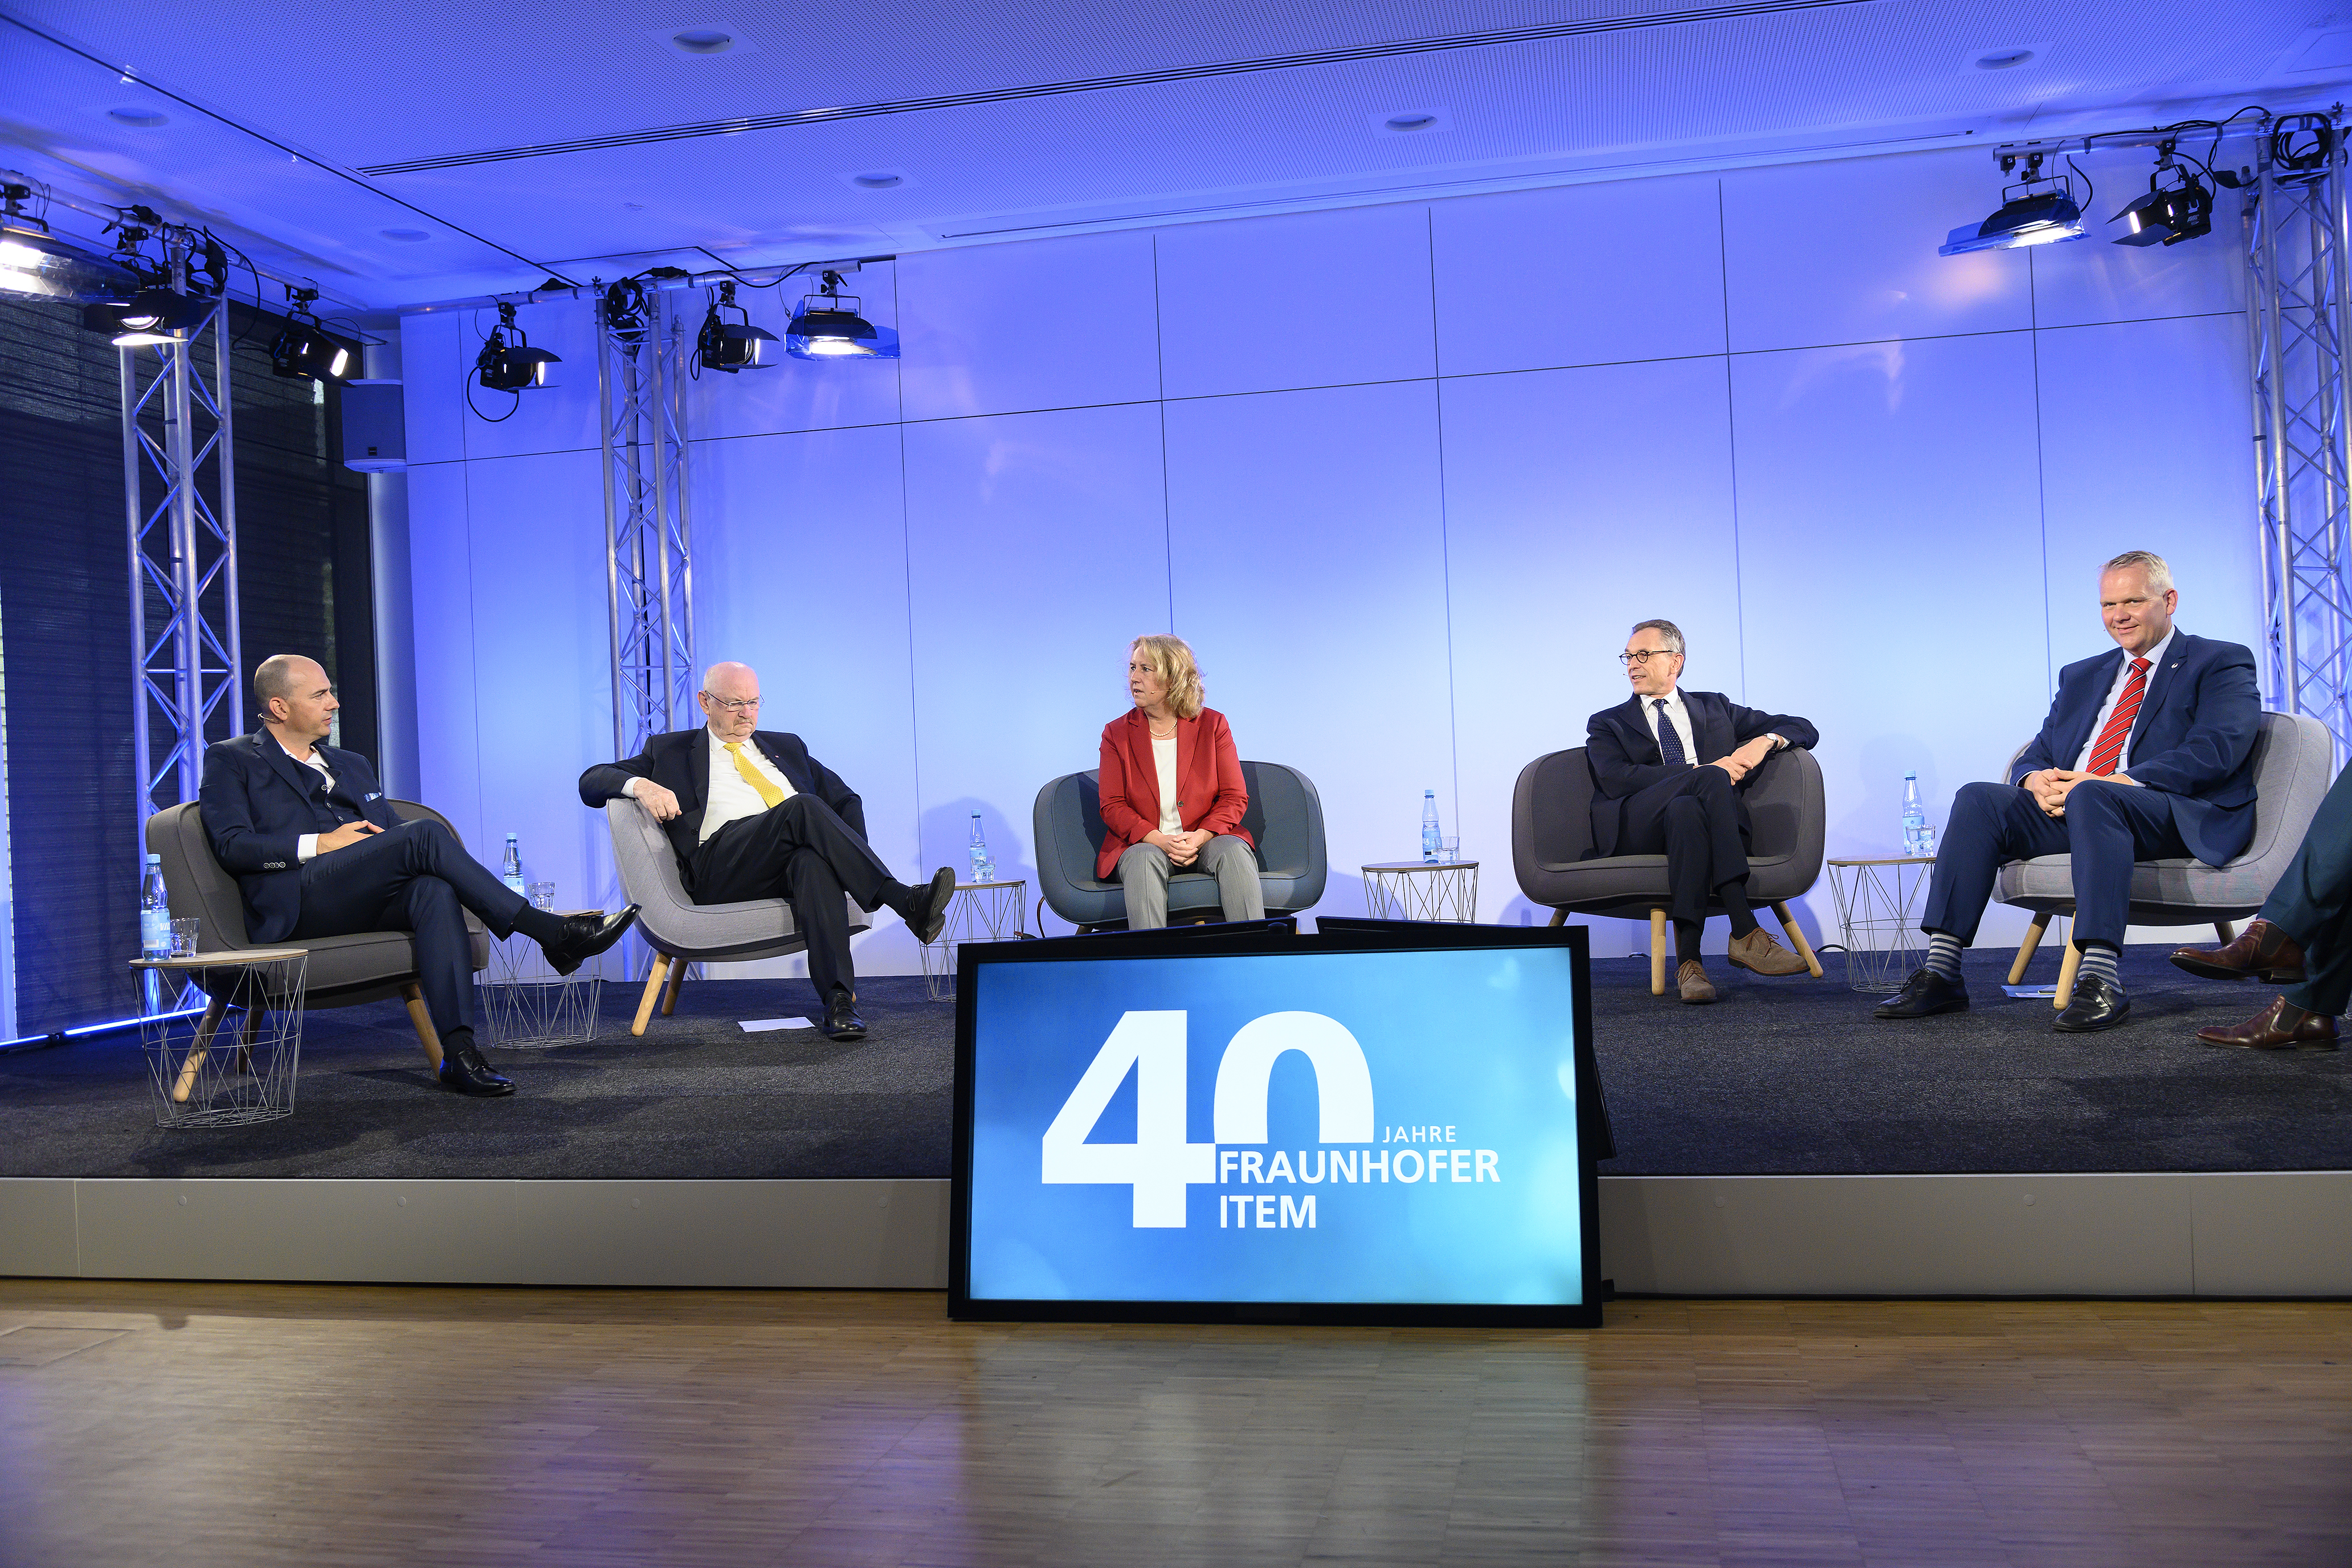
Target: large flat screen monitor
1368	1127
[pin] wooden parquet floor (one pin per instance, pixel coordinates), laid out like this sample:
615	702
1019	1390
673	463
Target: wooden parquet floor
218	1426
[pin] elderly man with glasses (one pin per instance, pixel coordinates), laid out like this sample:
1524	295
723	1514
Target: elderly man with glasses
1670	769
752	815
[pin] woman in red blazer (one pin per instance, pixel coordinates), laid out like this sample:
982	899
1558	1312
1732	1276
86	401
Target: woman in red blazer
1172	796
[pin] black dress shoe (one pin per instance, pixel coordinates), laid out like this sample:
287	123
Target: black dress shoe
841	1019
928	911
586	936
463	1069
1923	996
2098	1002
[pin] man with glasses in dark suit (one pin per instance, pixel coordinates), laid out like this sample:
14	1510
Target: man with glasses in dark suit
751	814
1670	770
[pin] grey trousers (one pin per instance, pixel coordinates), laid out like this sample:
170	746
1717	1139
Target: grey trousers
1145	869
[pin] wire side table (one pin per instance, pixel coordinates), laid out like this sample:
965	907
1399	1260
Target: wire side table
1875	918
527	1006
978	912
204	1077
1421	890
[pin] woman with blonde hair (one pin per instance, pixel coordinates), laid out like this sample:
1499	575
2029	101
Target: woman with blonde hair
1173	795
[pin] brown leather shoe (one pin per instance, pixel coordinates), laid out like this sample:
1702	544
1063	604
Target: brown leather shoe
2262	951
1691	980
2277	1027
1758	954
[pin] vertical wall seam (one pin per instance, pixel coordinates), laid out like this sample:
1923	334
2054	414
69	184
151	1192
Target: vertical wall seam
2041	471
1731	436
907	565
473	647
1159	373
1444	532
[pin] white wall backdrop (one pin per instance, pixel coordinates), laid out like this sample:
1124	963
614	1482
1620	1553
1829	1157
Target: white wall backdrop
1405	476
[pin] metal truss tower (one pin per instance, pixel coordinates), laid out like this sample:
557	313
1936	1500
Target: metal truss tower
179	474
641	351
2298	305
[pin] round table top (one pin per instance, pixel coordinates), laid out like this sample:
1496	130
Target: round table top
1422	866
1888	860
999	882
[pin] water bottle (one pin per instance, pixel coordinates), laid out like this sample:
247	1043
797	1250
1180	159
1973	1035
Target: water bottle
1918	839
511	868
154	912
983	868
1429	826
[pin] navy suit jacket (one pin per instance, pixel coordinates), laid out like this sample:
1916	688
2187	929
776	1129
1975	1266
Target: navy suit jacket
1622	751
680	762
256	802
2194	739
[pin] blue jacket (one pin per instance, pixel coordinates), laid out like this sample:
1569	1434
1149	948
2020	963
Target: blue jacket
2194	739
256	802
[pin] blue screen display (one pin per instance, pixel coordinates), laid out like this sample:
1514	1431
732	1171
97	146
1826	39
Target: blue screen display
1307	1127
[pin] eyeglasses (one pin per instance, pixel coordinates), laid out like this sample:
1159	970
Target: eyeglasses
1644	655
733	704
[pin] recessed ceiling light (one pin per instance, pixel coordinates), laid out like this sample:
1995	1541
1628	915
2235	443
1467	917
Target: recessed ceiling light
2001	60
703	39
876	181
144	118
635	206
1412	120
407	236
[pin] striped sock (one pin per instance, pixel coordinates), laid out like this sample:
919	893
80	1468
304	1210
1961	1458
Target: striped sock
2099	958
1944	955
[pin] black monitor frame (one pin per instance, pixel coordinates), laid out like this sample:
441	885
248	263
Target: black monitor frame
971	958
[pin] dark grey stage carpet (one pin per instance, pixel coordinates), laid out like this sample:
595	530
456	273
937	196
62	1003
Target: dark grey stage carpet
1786	1076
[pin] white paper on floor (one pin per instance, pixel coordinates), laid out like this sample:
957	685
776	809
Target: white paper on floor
754	1025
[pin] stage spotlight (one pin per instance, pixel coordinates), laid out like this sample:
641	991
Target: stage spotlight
730	345
32	262
827	326
303	350
2032	217
503	366
161	316
2168	214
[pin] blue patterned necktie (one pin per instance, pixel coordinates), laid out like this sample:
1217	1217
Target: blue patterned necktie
1670	741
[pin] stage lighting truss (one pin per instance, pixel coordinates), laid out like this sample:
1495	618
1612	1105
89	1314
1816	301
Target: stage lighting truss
2178	206
36	262
730	346
828	326
303	351
2037	210
508	363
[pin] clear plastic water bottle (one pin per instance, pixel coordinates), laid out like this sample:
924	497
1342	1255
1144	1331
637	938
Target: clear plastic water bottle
511	868
154	912
1429	826
1918	839
983	867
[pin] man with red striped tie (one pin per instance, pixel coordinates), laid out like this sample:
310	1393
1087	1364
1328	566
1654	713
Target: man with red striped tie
2147	755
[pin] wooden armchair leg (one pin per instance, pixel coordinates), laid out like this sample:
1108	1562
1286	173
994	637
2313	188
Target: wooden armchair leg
2026	949
427	1034
676	984
2226	931
1558	918
1797	942
653	980
1658	953
194	1060
2067	970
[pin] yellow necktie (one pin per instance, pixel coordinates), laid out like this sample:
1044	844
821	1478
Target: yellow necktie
753	776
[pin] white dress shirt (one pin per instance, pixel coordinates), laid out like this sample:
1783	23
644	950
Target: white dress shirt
2155	657
306	849
1163	759
728	797
1677	713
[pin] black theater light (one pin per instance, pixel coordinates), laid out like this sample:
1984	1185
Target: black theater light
827	326
730	346
505	366
158	315
2035	211
2178	206
304	351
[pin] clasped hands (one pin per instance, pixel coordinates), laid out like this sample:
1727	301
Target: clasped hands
1747	759
1181	848
2051	786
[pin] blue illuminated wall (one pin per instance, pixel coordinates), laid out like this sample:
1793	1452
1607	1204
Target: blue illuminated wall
1403	475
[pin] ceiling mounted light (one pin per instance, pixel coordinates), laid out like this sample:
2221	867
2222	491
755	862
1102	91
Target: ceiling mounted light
138	119
701	40
32	262
827	326
1415	119
2170	212
2026	215
303	350
162	316
2001	60
877	181
730	346
406	236
504	366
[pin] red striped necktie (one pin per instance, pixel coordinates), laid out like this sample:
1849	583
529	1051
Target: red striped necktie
2109	751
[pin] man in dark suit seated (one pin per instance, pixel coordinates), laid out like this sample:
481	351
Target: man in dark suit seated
751	814
316	852
2302	940
2147	755
1653	793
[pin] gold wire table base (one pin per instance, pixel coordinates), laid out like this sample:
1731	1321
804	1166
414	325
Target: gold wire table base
235	1064
1423	891
978	912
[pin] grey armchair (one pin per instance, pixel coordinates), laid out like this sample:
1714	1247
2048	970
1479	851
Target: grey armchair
1551	831
1285	820
343	970
2294	762
682	932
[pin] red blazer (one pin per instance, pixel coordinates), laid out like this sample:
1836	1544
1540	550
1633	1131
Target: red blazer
1209	789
